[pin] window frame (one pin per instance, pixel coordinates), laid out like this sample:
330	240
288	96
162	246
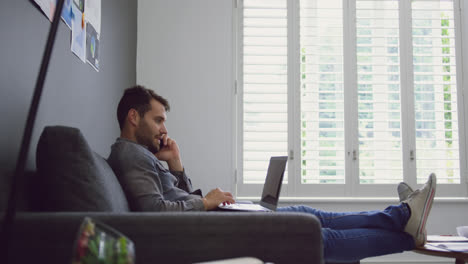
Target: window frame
352	188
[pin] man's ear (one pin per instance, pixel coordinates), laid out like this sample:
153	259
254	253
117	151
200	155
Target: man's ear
133	117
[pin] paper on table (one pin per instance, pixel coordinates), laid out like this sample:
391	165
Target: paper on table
447	238
451	246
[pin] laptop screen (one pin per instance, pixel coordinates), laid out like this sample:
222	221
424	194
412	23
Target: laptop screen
273	181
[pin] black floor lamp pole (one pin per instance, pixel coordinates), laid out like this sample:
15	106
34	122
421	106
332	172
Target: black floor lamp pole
25	143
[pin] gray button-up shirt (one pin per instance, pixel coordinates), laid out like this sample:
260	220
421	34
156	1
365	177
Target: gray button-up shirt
147	184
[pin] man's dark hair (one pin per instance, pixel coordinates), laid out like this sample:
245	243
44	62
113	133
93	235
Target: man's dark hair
139	98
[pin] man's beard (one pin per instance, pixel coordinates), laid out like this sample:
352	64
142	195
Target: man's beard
147	141
154	149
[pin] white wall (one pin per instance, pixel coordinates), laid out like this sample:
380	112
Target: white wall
185	53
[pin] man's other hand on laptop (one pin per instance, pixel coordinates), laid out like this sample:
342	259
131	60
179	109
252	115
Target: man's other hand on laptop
216	197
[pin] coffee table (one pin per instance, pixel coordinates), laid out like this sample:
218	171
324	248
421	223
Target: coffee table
429	249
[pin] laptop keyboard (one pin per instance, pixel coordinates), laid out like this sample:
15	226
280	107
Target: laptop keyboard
247	207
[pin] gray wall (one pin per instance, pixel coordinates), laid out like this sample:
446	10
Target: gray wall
74	93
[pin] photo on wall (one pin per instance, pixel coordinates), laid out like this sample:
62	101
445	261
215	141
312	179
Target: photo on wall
80	4
67	12
92	46
83	17
78	38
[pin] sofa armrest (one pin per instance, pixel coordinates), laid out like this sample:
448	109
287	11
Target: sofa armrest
177	237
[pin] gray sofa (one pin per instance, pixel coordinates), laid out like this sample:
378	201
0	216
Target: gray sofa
72	182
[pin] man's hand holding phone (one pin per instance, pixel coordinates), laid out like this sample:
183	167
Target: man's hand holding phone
170	153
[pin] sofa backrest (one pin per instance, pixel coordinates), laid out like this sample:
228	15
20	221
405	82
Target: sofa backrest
72	177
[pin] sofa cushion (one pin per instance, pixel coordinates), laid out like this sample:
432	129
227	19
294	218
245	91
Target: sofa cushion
73	177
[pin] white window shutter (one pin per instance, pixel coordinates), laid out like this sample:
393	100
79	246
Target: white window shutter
435	91
378	85
265	91
322	94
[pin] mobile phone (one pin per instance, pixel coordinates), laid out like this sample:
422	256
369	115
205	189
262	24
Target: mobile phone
161	144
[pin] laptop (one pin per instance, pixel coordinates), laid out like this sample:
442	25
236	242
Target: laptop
271	189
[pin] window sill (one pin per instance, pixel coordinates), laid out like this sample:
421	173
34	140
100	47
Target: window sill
352	199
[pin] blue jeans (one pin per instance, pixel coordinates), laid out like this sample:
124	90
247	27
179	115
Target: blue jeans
352	236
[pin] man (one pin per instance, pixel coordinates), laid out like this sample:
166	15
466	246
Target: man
136	156
136	159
